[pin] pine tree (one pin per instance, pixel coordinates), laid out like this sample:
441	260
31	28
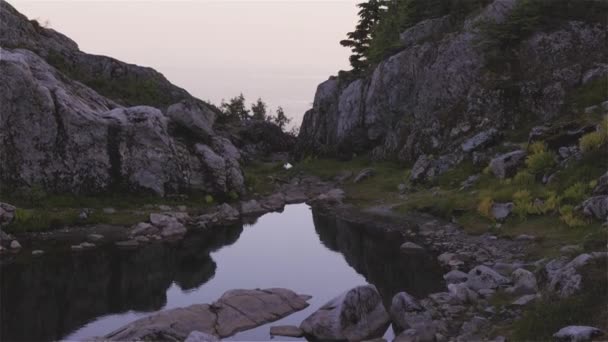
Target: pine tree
359	40
258	110
281	119
235	109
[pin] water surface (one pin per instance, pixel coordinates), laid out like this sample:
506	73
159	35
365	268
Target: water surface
76	296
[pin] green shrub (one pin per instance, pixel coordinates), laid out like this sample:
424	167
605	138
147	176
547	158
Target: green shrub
524	178
540	162
569	216
523	204
575	193
484	208
209	199
537	147
551	203
592	141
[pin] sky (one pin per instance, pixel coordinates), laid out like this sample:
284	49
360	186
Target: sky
216	49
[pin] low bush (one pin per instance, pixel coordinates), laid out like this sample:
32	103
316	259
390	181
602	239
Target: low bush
524	178
592	141
484	208
522	200
569	216
575	193
541	162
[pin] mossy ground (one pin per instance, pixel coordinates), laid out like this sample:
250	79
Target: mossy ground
38	211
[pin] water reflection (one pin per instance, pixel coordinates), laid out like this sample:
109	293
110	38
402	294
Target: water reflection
77	296
45	298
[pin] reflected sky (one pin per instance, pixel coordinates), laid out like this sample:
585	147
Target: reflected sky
277	50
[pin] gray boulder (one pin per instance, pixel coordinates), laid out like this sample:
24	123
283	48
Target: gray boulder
355	315
577	333
596	207
192	116
223	214
480	140
463	293
564	279
252	208
507	164
500	211
407	313
524	283
7	214
235	311
274	202
168	225
483	277
364	174
197	336
602	185
455	277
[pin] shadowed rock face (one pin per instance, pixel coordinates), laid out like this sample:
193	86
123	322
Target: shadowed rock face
379	260
437	93
49	297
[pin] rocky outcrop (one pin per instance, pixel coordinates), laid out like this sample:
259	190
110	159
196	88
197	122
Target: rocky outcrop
62	135
437	96
356	315
235	311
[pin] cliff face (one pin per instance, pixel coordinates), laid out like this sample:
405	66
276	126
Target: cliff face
73	122
438	92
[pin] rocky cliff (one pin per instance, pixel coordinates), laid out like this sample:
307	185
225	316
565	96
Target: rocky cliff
74	122
440	90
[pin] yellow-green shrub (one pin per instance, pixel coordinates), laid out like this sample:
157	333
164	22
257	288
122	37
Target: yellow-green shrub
595	140
485	207
575	193
540	162
592	141
551	202
524	178
522	200
537	147
569	216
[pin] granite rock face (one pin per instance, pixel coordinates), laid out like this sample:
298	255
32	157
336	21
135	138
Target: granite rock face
437	96
235	311
64	136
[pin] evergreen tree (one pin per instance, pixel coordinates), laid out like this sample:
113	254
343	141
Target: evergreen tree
258	110
235	109
359	40
281	119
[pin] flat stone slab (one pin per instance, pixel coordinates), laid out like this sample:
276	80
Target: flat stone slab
286	330
235	311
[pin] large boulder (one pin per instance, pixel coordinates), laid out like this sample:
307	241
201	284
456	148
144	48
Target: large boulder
596	207
407	313
235	311
577	333
507	164
483	277
524	283
564	278
192	116
356	315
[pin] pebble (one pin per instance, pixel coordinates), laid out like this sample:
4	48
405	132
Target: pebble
37	252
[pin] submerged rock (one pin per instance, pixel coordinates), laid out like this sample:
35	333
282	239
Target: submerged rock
236	310
411	248
286	330
355	315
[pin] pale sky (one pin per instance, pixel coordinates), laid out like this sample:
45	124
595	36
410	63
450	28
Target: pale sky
277	50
